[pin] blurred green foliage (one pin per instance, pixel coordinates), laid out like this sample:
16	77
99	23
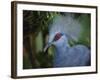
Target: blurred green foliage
85	36
35	31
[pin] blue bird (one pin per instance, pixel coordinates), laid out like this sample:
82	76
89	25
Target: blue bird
66	55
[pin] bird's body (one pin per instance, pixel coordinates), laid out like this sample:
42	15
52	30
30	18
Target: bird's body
78	55
66	55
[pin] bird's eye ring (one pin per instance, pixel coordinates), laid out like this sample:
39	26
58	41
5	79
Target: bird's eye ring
57	36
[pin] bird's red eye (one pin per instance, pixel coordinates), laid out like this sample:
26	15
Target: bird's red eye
57	36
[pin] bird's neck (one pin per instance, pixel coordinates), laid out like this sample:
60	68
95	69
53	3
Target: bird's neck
60	54
61	50
62	45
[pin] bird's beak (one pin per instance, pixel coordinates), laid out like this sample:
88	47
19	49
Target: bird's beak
47	46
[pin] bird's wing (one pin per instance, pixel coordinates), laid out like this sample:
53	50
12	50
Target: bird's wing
79	55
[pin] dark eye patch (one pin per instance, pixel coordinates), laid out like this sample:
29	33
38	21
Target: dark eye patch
57	36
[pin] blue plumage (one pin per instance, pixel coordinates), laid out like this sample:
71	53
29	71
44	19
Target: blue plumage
61	31
66	56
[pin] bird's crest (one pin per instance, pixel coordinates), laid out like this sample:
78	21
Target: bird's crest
64	24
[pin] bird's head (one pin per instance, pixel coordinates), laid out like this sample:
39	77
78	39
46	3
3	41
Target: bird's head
59	40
